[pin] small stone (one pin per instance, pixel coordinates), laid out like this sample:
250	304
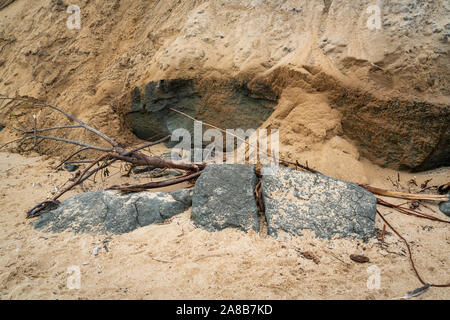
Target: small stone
445	207
71	167
359	258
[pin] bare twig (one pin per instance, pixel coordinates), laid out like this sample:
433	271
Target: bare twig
409	211
49	129
244	141
79	179
410	254
128	152
117	152
69	116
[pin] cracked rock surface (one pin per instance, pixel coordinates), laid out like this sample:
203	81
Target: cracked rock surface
296	200
223	198
113	212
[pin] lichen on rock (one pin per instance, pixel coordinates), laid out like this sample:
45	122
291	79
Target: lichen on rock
113	212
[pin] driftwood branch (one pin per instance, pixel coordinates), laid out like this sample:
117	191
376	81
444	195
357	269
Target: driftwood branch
144	160
404	195
285	162
156	184
79	143
78	161
110	155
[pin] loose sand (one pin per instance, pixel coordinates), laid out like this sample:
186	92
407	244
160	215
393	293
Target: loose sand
179	261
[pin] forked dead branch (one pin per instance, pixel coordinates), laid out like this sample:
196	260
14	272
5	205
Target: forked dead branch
116	152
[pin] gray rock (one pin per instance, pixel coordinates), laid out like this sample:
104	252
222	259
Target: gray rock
71	167
150	116
223	198
113	212
295	201
5	3
199	154
158	173
445	207
174	173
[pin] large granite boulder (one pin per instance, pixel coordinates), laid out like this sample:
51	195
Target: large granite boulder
296	200
223	198
113	212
